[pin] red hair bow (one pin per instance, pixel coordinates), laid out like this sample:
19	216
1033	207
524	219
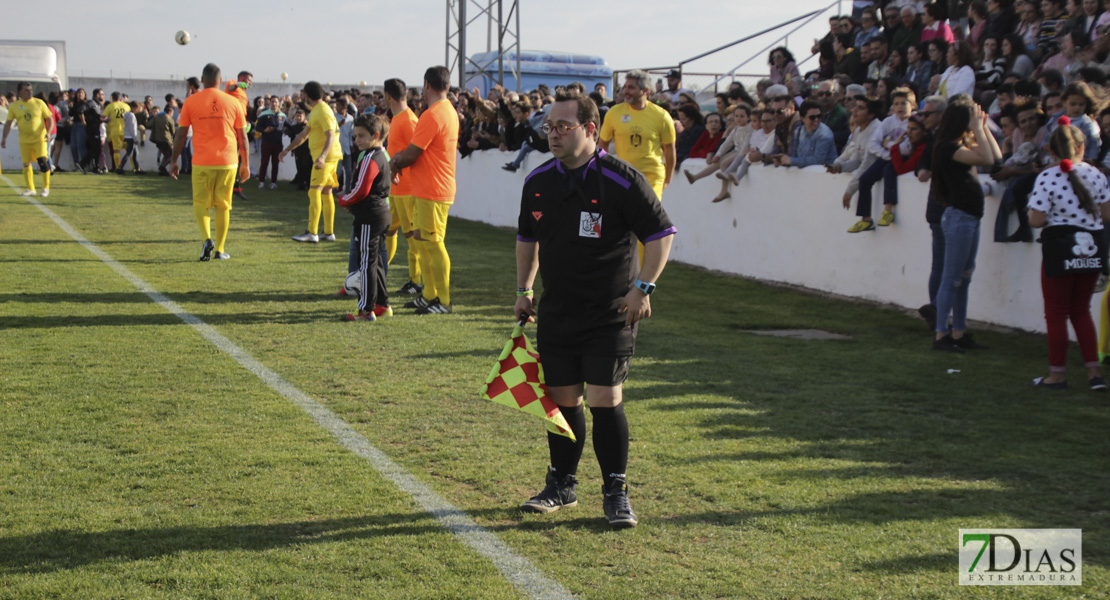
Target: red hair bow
1065	165
1063	120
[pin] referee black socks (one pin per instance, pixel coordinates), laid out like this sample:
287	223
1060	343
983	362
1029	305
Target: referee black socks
565	453
610	438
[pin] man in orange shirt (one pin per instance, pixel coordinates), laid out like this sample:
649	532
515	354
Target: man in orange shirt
238	89
431	155
401	129
219	127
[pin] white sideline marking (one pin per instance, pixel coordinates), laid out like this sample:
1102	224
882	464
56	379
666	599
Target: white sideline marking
514	567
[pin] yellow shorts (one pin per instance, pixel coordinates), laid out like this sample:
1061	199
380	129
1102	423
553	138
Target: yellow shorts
212	186
430	218
400	209
326	177
118	145
657	185
32	151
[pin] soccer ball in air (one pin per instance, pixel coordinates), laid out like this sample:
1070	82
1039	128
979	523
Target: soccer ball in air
181	37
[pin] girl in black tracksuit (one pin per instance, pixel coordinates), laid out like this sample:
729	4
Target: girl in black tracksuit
369	203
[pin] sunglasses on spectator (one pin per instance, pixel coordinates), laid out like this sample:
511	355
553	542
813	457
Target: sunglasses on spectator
813	117
824	94
561	127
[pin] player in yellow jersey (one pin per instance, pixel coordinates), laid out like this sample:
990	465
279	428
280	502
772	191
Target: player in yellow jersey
35	121
115	111
642	133
322	134
401	130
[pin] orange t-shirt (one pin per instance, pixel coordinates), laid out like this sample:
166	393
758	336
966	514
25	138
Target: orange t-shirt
233	88
401	128
437	133
215	118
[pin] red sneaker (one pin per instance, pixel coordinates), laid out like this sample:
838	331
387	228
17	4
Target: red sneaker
383	311
360	316
342	293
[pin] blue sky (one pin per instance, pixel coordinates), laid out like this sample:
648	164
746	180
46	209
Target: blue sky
372	40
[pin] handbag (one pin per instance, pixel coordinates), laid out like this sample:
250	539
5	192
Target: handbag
1072	250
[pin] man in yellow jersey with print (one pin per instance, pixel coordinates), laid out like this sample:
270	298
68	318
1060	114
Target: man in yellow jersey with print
431	156
238	89
115	111
219	128
401	129
34	120
642	132
322	134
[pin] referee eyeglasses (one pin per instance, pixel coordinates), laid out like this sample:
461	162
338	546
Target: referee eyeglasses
562	127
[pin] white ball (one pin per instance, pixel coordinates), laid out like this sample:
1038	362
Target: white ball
181	37
353	283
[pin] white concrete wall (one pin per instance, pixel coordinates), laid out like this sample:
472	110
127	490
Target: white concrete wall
787	225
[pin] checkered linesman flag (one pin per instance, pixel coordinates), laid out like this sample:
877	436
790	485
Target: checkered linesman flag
516	380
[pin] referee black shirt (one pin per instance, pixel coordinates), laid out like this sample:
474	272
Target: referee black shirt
586	222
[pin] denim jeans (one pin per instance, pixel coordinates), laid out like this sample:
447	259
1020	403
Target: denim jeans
345	173
524	150
961	243
1014	199
880	169
938	262
77	144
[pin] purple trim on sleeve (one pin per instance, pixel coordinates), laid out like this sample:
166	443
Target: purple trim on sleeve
540	170
662	234
621	181
521	238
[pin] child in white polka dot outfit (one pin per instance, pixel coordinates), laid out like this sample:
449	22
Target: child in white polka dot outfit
1069	200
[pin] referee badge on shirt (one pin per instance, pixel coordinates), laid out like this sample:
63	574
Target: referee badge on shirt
590	225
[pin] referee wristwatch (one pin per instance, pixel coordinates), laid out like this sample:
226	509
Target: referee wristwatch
645	287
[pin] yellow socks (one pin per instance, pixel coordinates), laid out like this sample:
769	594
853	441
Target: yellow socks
390	247
329	212
223	221
29	178
313	210
200	211
415	274
438	273
46	179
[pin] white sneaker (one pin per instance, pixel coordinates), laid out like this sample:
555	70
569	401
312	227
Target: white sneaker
28	193
306	237
45	192
262	185
327	237
273	186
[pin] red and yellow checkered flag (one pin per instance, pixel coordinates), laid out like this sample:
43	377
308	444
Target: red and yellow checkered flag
517	381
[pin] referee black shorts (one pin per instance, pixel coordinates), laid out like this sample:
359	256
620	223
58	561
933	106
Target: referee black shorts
562	370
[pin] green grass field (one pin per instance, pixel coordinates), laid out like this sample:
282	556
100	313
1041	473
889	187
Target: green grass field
139	461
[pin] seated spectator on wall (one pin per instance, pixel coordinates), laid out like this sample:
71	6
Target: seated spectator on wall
935	26
834	115
761	147
959	78
525	137
1023	155
693	125
783	67
710	138
810	144
856	159
890	132
1080	105
918	69
734	141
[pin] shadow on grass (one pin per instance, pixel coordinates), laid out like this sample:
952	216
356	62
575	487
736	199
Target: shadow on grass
260	318
67	549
